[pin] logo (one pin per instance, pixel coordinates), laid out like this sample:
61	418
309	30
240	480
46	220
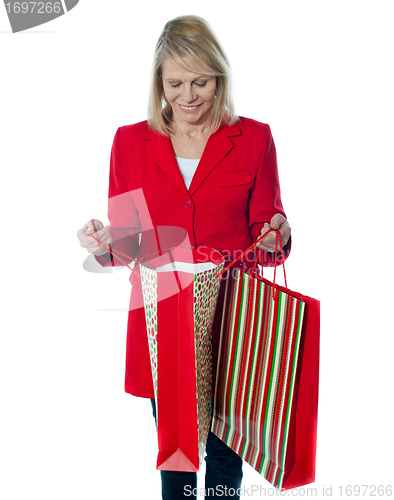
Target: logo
26	15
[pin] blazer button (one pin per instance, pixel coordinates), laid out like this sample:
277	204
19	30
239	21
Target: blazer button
188	204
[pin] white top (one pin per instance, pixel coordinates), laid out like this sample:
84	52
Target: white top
188	168
186	267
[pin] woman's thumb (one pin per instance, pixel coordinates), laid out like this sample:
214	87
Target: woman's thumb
277	220
93	226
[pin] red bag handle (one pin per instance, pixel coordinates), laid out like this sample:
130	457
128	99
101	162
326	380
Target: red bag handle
131	258
117	252
278	238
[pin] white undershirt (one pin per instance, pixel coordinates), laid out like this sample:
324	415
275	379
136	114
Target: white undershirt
186	267
188	168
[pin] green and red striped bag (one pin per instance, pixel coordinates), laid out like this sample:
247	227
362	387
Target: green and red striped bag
266	393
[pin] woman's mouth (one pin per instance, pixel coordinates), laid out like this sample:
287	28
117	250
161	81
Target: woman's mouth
189	108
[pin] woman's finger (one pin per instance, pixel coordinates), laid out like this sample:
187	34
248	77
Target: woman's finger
268	242
89	228
101	235
95	225
270	236
268	246
105	238
285	231
277	221
97	250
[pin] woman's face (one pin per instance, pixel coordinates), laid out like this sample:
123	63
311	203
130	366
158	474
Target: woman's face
190	95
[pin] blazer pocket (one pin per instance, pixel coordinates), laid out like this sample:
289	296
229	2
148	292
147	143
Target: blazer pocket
233	178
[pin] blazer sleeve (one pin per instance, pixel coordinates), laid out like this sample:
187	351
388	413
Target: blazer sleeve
265	199
122	213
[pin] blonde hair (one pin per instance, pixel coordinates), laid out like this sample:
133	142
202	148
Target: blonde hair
189	42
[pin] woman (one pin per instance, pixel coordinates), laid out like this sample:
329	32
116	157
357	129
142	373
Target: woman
196	166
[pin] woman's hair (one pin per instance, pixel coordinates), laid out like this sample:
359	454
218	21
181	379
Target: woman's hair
189	42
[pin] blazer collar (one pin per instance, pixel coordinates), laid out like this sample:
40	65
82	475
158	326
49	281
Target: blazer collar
218	146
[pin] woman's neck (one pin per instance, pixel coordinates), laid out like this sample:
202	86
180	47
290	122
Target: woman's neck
190	131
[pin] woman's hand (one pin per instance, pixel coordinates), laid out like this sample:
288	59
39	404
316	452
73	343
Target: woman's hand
100	232
268	242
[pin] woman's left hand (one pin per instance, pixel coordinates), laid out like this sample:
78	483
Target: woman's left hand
268	242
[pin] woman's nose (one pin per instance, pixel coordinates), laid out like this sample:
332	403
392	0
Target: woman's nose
187	94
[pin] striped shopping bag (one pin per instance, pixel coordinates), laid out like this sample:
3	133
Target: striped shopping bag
266	392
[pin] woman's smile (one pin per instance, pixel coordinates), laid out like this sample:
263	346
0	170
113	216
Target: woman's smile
189	109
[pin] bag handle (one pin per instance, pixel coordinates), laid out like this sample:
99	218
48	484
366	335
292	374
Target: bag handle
278	238
112	250
117	256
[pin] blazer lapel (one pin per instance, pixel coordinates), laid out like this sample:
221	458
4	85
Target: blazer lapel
217	147
161	151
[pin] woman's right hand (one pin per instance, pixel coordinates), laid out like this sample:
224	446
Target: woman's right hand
100	232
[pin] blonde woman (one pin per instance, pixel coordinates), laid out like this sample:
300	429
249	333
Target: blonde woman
201	168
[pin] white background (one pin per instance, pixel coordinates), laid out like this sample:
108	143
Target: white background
320	73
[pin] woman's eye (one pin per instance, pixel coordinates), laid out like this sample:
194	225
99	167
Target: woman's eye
175	85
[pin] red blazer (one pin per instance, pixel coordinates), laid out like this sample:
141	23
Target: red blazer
234	191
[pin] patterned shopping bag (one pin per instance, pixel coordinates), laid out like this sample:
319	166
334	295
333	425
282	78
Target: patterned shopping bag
266	391
180	295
